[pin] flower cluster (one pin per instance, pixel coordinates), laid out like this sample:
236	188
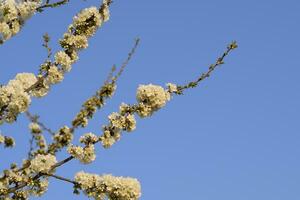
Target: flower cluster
85	155
88	139
13	98
40	187
117	124
54	75
172	88
62	138
121	122
36	132
7	141
35	128
108	186
36	188
151	98
13	15
42	163
92	104
84	26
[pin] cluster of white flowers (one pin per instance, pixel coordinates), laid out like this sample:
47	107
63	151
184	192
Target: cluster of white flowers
54	75
13	15
7	141
85	155
121	122
13	98
117	124
93	104
151	98
172	88
88	138
75	41
108	186
62	138
36	131
35	128
37	188
64	61
84	26
40	187
42	163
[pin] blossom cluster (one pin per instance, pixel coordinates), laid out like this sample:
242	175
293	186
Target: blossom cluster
85	155
43	163
7	141
62	138
13	15
13	98
37	187
92	104
36	132
150	98
108	186
84	26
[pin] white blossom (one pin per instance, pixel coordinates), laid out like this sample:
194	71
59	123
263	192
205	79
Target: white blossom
42	163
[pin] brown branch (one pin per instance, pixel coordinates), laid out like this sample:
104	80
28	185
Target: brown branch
51	5
29	154
219	61
124	64
60	178
131	53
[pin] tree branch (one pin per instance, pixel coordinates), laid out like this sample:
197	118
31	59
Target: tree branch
34	118
51	5
60	178
212	67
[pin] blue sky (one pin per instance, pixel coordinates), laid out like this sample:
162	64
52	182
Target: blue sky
235	137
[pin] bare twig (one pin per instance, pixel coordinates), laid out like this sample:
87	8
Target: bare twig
29	154
211	68
46	39
124	64
34	118
131	53
51	5
60	178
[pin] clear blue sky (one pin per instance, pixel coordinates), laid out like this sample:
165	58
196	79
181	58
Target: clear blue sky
236	137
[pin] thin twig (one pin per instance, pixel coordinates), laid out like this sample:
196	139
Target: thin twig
46	39
60	178
51	5
34	118
30	147
211	68
124	64
131	53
